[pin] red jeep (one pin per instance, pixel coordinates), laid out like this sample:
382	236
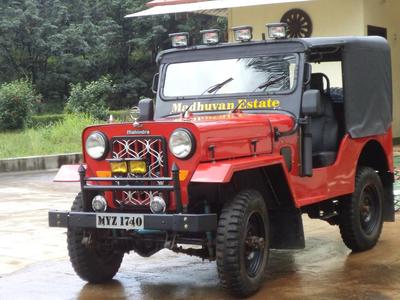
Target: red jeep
243	139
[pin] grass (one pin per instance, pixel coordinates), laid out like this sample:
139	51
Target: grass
50	119
62	137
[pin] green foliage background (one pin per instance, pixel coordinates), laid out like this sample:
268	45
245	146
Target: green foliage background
58	44
90	99
17	99
63	136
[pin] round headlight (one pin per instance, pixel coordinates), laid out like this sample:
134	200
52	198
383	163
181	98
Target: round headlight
181	143
96	145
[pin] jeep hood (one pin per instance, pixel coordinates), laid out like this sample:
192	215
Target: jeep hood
228	136
217	137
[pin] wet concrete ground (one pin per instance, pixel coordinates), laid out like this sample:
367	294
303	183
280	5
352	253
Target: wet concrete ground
34	262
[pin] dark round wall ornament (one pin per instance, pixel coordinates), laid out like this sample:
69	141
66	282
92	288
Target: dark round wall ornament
299	23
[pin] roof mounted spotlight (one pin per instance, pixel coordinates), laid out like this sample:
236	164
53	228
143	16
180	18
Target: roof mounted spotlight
243	33
180	39
277	30
210	36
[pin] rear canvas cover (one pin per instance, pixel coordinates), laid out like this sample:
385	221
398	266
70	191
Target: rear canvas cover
367	86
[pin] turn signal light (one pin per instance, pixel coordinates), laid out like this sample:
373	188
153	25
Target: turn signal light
119	167
183	174
103	174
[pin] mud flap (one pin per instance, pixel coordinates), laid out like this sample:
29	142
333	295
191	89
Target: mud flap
388	205
286	229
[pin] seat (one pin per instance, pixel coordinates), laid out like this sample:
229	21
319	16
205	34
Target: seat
324	128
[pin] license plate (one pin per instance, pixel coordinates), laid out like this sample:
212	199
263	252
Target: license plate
119	221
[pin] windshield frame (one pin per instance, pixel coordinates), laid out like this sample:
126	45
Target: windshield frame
229	95
165	108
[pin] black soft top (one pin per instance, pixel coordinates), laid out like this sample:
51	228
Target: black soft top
366	63
367	81
367	41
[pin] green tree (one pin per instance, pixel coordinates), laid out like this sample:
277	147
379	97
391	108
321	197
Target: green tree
58	43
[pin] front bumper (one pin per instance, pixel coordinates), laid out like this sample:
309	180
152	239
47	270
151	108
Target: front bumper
164	222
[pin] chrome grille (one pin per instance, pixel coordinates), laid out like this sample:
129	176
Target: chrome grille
152	151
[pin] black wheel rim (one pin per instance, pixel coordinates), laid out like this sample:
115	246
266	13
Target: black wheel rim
100	248
369	209
254	244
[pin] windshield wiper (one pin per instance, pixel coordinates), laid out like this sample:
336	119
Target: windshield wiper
216	87
269	83
262	86
212	89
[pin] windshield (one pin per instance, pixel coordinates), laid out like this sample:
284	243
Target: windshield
262	74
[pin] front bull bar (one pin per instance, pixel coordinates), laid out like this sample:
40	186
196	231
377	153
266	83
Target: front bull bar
176	187
179	222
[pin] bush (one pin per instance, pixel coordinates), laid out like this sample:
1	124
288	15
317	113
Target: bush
90	98
120	115
16	104
46	120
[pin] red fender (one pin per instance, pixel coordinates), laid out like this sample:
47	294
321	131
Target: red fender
67	173
222	171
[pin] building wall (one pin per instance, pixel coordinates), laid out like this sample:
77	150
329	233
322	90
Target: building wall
335	18
330	18
385	13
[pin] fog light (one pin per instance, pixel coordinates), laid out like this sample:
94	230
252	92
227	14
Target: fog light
210	37
157	205
99	204
180	39
119	167
137	167
243	33
277	30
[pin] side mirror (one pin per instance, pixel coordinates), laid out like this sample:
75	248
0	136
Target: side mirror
146	107
154	86
311	105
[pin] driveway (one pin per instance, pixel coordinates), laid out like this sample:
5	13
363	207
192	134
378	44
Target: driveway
34	261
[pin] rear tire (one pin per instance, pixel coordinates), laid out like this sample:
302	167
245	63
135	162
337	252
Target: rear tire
361	213
94	264
243	243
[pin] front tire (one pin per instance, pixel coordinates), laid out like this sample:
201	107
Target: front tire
361	213
243	243
94	264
